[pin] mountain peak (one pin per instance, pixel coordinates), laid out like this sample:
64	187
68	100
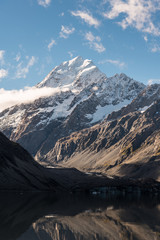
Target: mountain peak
77	72
121	76
76	59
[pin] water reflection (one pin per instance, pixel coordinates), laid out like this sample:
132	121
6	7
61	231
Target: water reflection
78	217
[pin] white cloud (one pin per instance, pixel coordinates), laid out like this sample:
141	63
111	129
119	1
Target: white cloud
44	3
153	81
145	38
50	45
70	54
87	17
2	52
114	62
136	13
94	42
22	71
3	73
18	57
10	98
66	31
61	14
155	48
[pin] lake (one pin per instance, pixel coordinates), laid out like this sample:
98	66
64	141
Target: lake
46	216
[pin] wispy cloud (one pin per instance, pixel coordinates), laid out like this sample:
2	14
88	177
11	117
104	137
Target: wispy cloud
2	52
66	31
44	3
136	13
87	17
3	73
114	62
145	38
22	71
155	48
94	42
50	45
153	81
61	14
70	54
10	98
18	57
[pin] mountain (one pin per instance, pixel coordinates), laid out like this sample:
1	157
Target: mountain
19	171
141	102
128	146
76	73
83	96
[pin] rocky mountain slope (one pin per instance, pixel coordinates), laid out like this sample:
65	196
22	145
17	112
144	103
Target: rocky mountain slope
126	146
83	97
19	171
143	101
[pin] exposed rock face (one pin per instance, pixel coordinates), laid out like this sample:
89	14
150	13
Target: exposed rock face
83	97
128	146
20	172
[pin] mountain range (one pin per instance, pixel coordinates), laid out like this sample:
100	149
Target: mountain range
84	96
91	122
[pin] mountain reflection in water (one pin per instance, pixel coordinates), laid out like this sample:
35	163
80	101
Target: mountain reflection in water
47	216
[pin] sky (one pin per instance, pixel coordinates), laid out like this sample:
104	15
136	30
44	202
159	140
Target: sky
117	35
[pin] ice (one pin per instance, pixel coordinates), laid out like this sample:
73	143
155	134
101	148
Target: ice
142	110
102	112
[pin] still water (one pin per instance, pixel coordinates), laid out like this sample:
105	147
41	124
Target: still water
79	217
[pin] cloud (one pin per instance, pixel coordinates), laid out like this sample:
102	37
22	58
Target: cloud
155	48
145	38
18	57
114	62
2	52
135	13
94	42
153	81
87	17
3	73
66	31
10	98
70	54
61	14
50	45
44	3
22	71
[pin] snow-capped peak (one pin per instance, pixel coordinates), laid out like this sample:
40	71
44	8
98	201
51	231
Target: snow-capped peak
77	72
74	61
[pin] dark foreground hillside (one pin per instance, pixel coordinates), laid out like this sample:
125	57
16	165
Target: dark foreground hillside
19	171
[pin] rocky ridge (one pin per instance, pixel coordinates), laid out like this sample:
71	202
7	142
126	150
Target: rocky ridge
141	102
125	147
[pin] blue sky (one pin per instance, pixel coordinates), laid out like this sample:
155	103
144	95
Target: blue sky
118	35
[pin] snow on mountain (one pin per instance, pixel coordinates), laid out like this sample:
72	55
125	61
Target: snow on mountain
76	73
85	96
141	102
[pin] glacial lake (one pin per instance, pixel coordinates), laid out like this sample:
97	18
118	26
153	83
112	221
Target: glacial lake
37	216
